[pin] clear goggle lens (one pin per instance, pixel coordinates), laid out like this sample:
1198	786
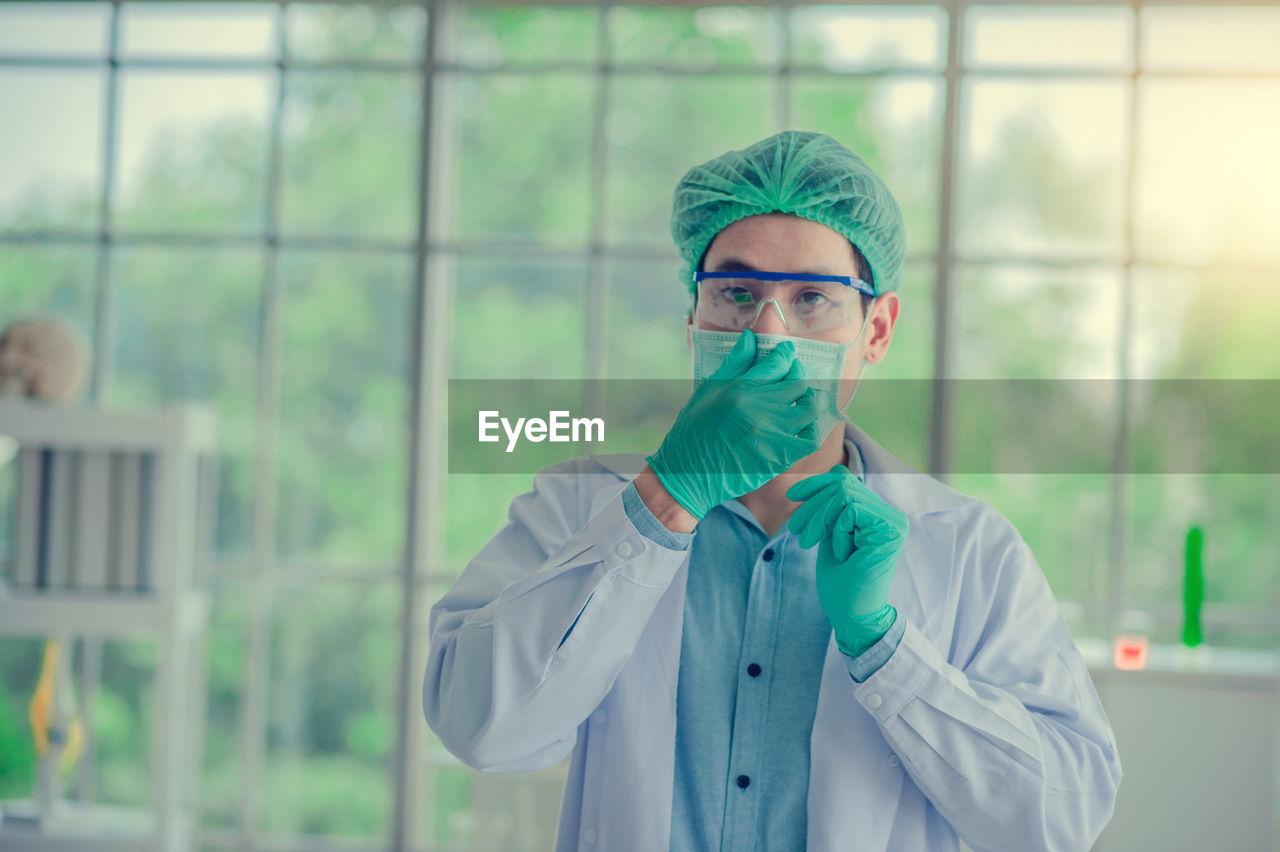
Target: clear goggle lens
806	306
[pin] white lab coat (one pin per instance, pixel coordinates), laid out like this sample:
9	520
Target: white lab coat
983	725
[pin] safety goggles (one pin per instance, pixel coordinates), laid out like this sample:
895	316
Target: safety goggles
807	304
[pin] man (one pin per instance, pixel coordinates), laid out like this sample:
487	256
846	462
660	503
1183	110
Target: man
777	636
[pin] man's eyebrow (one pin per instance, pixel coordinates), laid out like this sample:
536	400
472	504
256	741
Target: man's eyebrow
733	264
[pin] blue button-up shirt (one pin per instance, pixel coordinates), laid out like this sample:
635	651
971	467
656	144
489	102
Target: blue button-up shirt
752	651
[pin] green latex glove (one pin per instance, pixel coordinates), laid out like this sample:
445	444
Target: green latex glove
750	421
859	537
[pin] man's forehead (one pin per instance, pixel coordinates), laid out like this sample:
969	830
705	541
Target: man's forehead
778	227
735	264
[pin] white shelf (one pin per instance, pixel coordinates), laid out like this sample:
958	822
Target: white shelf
161	515
83	613
1175	663
103	828
91	428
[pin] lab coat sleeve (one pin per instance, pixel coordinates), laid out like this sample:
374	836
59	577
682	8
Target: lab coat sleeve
536	629
1011	744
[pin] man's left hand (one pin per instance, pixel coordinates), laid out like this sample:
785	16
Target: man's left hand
859	537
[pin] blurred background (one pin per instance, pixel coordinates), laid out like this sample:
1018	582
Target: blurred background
308	217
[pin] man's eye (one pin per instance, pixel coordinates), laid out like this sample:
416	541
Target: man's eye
812	299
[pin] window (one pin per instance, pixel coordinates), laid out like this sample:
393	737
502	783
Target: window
227	197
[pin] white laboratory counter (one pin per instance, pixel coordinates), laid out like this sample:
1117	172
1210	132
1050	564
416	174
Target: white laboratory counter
1199	740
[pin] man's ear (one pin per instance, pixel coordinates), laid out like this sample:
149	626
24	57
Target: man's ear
884	316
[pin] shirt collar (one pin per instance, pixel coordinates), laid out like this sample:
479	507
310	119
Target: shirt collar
856	465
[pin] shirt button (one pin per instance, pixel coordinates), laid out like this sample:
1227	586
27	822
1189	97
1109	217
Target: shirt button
767	556
599	716
893	760
754	669
624	549
744	782
874	701
588	835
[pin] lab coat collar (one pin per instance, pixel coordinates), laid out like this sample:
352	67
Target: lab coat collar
626	466
898	483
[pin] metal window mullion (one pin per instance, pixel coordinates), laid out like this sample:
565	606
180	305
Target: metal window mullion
253	732
1030	72
100	374
1117	569
197	239
941	425
496	247
424	527
1018	72
658	69
484	248
62	63
645	69
104	285
596	313
213	63
786	70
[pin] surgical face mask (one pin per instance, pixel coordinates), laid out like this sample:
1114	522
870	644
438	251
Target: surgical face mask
823	364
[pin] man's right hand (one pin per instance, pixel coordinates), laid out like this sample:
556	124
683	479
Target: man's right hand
749	422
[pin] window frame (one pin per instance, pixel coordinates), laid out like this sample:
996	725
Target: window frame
424	570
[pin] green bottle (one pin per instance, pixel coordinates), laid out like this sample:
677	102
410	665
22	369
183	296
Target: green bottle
1192	588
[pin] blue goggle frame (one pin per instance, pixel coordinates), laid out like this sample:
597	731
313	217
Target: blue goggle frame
847	280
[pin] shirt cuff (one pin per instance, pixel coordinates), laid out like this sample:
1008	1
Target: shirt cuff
869	661
648	525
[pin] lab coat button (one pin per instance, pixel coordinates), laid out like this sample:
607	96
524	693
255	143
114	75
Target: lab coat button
588	835
874	701
624	549
598	717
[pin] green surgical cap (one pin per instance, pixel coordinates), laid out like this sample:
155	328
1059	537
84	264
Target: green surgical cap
805	174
